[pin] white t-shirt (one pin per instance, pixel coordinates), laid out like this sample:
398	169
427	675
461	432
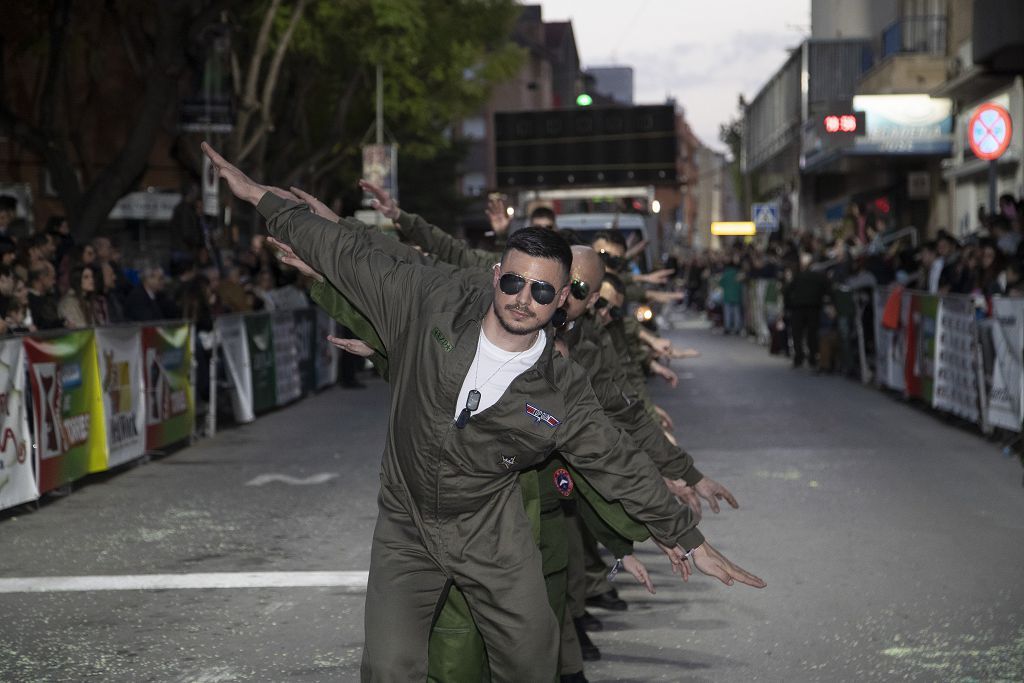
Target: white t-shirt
493	369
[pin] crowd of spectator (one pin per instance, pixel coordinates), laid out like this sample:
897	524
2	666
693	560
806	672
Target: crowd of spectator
867	252
50	280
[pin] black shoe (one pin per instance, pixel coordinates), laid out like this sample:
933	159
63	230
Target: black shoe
587	648
609	600
590	622
577	677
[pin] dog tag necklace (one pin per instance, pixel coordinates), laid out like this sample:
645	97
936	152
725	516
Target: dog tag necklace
473	400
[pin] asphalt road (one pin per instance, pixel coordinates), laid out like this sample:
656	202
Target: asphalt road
892	543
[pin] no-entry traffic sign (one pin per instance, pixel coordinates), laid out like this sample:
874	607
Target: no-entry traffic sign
988	131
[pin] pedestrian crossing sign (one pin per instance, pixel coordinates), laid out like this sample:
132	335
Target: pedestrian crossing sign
765	216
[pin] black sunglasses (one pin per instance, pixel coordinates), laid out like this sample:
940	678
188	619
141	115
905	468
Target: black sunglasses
612	261
614	312
543	292
579	289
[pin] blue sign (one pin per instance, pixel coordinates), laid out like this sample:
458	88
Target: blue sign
765	216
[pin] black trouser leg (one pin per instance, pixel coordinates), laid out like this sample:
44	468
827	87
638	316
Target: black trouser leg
797	324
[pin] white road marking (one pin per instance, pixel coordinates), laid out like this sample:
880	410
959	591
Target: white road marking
294	481
355	581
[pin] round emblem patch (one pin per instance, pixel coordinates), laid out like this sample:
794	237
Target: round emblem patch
563	481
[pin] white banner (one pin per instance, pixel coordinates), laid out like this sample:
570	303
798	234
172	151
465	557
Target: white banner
235	349
18	483
326	352
1006	402
286	357
122	384
956	367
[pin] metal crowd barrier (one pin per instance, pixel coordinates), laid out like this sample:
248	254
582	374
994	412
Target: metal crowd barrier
79	402
959	354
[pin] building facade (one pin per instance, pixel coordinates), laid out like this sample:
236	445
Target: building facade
869	115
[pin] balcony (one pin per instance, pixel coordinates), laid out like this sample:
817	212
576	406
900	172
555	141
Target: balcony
911	57
919	35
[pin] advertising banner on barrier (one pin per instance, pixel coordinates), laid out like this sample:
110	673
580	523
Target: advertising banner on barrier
1006	402
17	459
919	370
170	403
67	407
956	367
259	333
890	345
306	347
326	352
120	366
287	381
234	348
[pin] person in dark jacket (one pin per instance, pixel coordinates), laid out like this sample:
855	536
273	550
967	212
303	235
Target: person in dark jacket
42	300
804	295
146	301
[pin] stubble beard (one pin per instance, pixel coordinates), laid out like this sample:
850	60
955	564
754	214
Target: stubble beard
522	330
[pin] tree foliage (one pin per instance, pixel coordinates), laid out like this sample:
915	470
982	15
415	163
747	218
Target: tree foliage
92	88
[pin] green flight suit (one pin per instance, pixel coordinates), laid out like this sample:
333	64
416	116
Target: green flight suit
446	502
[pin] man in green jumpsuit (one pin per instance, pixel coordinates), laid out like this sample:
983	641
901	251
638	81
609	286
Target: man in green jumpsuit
448	501
456	651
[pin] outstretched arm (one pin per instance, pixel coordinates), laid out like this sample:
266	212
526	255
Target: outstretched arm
386	291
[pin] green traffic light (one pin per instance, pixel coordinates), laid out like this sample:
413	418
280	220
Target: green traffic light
584	100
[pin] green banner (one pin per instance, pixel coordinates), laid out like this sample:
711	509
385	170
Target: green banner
261	362
67	408
170	407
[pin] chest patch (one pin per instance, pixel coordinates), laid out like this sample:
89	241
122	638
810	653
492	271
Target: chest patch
441	339
539	415
564	482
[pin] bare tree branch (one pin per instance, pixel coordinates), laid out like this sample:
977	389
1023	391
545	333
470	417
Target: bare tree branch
248	102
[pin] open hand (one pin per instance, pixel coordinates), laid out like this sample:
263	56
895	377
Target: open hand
685	493
665	373
635	567
382	201
288	257
711	491
713	563
497	214
317	207
356	347
241	185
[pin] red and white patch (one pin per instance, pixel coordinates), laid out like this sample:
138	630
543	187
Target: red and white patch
564	482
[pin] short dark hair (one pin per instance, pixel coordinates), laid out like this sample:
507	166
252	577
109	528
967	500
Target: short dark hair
541	243
543	212
613	236
616	282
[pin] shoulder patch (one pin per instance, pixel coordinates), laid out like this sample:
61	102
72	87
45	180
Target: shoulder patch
564	482
441	339
539	415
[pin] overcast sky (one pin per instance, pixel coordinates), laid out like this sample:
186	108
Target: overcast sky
702	52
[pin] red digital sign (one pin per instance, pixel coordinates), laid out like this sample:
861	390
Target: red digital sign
843	124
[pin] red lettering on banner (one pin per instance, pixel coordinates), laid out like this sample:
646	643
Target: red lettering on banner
19	448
